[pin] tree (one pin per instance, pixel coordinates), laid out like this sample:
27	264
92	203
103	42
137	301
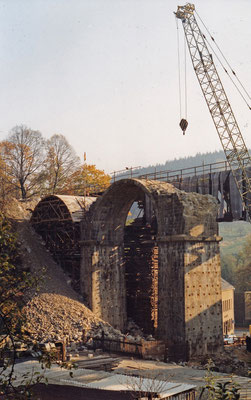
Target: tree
228	267
6	188
213	390
23	154
236	268
88	180
61	163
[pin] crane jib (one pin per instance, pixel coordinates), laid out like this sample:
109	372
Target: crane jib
220	109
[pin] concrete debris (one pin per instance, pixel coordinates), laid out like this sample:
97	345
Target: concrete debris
230	361
52	317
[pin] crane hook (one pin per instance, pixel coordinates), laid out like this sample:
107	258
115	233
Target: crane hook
183	125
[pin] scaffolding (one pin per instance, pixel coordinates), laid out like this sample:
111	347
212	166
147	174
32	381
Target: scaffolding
56	219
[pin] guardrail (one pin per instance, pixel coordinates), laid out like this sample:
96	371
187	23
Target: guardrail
171	175
198	170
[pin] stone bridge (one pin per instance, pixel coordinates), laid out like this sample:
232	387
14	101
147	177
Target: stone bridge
164	273
214	179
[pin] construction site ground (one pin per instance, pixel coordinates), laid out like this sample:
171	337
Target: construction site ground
57	296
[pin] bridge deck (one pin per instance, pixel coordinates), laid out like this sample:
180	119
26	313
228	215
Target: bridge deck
215	179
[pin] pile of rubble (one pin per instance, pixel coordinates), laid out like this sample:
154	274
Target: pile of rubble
233	361
53	317
230	361
135	333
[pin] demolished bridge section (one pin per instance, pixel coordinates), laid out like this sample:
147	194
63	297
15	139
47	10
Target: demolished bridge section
189	275
177	265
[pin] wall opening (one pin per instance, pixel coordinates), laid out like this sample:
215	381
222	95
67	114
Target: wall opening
141	266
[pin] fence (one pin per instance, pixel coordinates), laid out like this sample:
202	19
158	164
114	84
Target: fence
143	349
171	175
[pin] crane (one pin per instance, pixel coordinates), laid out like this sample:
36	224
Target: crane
232	141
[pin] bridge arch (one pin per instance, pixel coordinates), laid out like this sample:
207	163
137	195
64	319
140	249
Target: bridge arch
188	262
56	218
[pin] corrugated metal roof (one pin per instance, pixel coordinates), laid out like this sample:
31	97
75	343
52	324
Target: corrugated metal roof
121	382
226	285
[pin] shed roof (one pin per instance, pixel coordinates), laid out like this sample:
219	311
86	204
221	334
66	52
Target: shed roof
226	285
119	382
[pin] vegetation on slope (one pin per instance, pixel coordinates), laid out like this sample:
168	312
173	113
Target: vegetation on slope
235	254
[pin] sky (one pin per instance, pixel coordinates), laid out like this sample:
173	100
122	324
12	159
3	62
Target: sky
104	73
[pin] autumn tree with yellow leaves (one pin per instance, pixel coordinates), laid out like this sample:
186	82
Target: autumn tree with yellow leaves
31	165
88	180
7	190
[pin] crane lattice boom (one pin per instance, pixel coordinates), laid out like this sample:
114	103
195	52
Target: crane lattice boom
226	125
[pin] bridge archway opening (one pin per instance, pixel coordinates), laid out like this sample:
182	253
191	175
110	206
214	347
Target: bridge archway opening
124	228
141	265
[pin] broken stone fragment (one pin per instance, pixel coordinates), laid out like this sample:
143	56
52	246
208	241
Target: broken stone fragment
130	338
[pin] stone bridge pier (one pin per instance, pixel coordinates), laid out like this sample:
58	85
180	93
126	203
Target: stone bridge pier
189	276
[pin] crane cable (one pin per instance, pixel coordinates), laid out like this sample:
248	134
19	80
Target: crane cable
185	77
224	68
179	74
179	79
238	90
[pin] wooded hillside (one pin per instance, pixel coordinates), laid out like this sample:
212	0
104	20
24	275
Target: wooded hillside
186	162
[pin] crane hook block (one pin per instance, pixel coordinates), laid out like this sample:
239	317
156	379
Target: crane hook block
183	125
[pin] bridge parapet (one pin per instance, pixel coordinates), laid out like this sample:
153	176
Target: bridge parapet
215	179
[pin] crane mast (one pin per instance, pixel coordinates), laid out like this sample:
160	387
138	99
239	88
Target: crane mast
222	114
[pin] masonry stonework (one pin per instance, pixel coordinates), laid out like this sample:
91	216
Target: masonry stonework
189	279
